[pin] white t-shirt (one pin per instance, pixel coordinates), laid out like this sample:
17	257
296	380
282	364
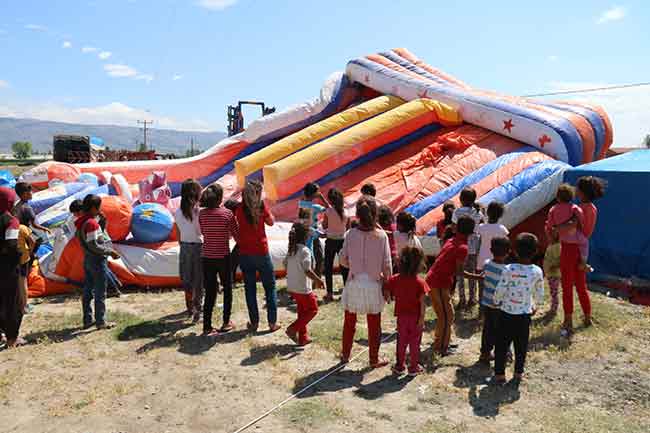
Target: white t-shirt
297	266
487	232
520	289
189	231
404	240
472	240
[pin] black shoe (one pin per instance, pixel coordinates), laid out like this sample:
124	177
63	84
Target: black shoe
88	325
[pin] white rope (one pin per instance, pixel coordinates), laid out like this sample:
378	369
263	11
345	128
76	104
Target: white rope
311	385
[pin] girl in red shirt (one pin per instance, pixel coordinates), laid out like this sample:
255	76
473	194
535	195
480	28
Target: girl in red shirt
408	290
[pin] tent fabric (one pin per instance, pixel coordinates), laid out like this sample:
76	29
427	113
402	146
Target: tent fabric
620	245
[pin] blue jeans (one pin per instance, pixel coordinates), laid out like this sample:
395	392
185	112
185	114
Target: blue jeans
250	265
96	271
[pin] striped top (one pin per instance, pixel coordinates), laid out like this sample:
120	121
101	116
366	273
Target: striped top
217	226
492	274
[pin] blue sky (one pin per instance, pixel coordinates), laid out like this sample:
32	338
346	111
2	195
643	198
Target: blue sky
181	62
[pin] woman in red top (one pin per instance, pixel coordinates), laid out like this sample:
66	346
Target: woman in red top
252	214
11	314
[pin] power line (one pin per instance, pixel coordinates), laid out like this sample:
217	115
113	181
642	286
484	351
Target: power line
593	89
145	123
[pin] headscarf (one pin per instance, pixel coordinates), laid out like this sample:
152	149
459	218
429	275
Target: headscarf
7	199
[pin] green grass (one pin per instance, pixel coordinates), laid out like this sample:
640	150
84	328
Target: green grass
307	414
443	426
588	420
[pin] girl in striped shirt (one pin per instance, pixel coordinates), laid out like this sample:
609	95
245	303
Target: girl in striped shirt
218	225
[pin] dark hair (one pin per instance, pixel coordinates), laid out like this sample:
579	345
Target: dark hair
231	204
406	222
367	212
369	189
354	224
91	201
22	187
336	200
385	216
212	196
468	197
190	193
297	235
76	206
495	212
526	246
304	213
410	260
448	209
310	190
591	187
565	193
252	201
500	246
465	225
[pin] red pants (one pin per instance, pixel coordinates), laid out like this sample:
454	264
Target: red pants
307	306
408	334
374	335
570	260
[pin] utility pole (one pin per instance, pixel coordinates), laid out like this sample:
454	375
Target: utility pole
145	123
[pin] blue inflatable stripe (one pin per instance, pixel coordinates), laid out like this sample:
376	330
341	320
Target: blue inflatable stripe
592	117
393	57
61	217
39	204
563	127
427	204
365	159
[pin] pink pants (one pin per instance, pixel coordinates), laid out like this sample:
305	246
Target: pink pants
307	306
409	335
374	335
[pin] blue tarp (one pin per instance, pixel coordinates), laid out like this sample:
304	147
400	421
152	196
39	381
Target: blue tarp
620	244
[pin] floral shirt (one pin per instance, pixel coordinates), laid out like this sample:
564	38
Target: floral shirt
520	289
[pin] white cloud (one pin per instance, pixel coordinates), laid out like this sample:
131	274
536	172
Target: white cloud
3	84
104	55
177	77
120	71
66	44
553	58
115	113
628	109
35	27
615	13
88	49
148	78
216	5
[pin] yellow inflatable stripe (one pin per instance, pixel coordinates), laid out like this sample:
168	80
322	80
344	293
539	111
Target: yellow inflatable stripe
288	167
303	138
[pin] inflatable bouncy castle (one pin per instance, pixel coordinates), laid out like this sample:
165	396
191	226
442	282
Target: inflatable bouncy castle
417	133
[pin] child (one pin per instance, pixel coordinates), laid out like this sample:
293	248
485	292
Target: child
299	281
96	248
486	233
408	290
519	293
490	277
231	204
312	192
26	249
444	225
24	212
440	279
76	209
218	225
552	270
113	286
405	234
386	221
369	190
470	209
588	189
186	220
335	224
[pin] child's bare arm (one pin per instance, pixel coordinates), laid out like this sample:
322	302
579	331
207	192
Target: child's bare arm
315	278
474	276
423	310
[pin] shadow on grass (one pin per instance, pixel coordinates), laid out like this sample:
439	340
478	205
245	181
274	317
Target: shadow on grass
264	353
386	385
57	335
488	401
338	381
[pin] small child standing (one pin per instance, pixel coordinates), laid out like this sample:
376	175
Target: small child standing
405	234
486	232
312	192
440	278
471	210
444	229
386	221
335	224
300	276
552	271
26	249
186	220
520	293
409	291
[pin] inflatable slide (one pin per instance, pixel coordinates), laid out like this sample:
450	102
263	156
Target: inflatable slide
417	133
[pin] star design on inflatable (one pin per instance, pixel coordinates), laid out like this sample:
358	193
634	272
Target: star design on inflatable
544	139
508	125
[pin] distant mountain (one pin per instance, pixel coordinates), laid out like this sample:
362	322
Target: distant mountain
40	133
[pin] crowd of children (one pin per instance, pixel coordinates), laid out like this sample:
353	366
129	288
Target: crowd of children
380	260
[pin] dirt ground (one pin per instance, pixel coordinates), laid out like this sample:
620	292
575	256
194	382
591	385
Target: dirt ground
154	373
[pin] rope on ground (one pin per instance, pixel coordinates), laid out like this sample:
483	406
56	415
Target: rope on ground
336	369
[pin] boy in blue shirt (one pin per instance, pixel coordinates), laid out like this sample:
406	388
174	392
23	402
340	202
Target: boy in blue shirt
312	192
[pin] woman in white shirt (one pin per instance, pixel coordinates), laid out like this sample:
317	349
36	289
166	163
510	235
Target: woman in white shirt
191	240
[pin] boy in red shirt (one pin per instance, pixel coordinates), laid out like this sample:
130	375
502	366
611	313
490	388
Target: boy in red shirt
408	290
440	279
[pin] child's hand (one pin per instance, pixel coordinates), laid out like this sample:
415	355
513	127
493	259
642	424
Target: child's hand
115	255
319	283
534	312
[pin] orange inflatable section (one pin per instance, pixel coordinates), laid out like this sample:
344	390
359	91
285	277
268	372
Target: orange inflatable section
118	212
499	177
406	54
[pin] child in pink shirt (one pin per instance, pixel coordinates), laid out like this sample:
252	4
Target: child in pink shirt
567	221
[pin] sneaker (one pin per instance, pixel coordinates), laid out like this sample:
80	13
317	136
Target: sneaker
293	335
497	381
416	371
88	325
305	342
251	327
397	371
274	327
485	359
343	359
378	364
227	327
588	322
106	325
328	298
212	332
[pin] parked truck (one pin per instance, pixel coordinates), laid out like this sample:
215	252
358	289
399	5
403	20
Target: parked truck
76	149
